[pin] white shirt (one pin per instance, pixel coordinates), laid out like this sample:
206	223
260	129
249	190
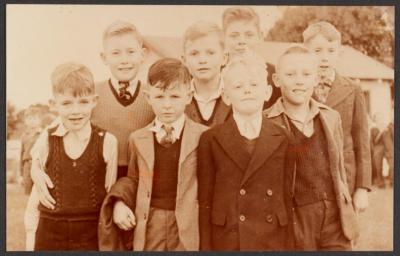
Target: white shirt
176	132
248	129
39	155
206	106
131	88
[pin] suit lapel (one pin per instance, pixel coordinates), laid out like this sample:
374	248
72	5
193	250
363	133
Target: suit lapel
230	140
145	145
339	92
190	138
327	125
222	111
271	137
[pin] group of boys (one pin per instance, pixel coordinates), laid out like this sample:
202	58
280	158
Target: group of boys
191	160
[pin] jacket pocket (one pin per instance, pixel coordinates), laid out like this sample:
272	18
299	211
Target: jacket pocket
282	218
218	218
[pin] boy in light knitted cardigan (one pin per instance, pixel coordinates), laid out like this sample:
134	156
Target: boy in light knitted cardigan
121	107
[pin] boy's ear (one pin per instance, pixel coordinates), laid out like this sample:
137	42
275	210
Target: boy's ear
95	99
103	58
225	98
275	78
340	51
190	96
268	92
225	58
147	95
144	53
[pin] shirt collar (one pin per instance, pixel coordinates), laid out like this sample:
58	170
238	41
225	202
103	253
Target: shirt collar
241	123
82	134
177	125
132	84
278	108
213	96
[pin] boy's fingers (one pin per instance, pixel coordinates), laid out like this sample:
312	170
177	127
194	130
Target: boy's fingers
132	219
49	183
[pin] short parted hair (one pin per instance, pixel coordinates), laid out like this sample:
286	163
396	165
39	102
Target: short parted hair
293	49
72	78
250	62
165	72
121	28
242	13
323	28
201	29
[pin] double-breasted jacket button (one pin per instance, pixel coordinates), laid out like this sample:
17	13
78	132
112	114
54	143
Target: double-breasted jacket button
242	217
269	192
269	218
242	192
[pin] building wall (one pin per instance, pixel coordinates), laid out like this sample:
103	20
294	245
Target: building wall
380	98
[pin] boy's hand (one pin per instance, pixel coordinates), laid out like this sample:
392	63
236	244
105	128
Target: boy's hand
123	216
360	199
42	183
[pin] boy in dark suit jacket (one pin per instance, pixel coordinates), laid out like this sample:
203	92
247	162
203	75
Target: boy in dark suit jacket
324	218
241	169
346	97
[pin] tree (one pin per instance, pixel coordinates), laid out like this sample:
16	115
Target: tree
368	29
11	119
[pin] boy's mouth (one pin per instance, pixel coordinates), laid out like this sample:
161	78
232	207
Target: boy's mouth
298	91
203	69
76	119
125	69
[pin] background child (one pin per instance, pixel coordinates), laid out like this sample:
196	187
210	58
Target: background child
324	218
32	119
241	169
241	26
159	196
204	56
347	98
122	108
81	160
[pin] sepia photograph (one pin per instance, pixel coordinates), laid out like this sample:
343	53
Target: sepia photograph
199	128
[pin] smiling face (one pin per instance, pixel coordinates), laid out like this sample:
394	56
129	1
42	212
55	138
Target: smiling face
241	37
123	54
170	103
297	76
246	89
74	111
204	57
327	52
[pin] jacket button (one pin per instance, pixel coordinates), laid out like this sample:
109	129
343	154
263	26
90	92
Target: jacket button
269	192
269	218
242	217
242	192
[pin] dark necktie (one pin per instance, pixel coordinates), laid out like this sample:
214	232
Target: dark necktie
323	88
124	94
167	140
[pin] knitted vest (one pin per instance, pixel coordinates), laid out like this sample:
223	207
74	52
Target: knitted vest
78	184
220	114
165	179
313	178
120	120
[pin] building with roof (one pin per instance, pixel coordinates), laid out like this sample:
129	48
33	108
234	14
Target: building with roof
375	78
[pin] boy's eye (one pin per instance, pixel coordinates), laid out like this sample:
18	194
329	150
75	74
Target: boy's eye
175	96
131	51
84	101
194	53
159	96
66	103
249	34
254	84
115	52
331	50
289	74
211	52
234	35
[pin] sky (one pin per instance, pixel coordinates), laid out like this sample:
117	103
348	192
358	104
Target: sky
40	37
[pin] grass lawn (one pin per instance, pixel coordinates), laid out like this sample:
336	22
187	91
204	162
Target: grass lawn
376	223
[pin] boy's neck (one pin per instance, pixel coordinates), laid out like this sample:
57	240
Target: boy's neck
299	112
207	88
248	117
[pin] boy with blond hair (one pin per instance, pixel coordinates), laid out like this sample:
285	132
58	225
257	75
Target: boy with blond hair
203	47
159	196
324	217
242	32
81	160
346	97
241	169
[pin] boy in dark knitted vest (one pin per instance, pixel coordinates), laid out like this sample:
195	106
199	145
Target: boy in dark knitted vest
346	97
203	47
159	196
121	107
242	32
80	159
324	217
